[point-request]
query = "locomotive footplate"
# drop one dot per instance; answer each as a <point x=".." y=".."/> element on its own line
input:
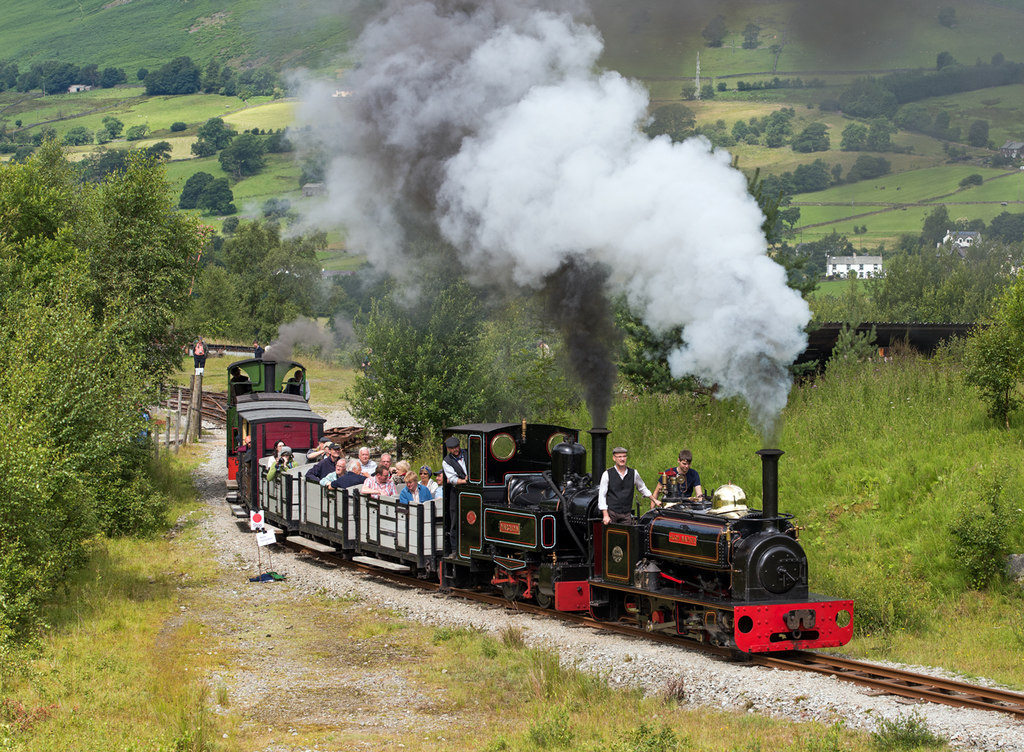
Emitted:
<point x="752" y="627"/>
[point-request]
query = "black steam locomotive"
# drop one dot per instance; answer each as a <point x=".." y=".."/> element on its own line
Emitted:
<point x="526" y="523"/>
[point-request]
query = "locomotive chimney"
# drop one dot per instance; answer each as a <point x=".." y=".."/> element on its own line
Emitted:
<point x="269" y="379"/>
<point x="770" y="485"/>
<point x="598" y="450"/>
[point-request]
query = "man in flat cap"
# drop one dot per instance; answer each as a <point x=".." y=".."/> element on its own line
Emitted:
<point x="615" y="495"/>
<point x="326" y="465"/>
<point x="455" y="472"/>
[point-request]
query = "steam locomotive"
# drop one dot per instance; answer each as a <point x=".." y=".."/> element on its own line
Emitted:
<point x="526" y="523"/>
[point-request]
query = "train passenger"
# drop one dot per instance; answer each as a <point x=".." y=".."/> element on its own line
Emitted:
<point x="239" y="380"/>
<point x="439" y="482"/>
<point x="414" y="492"/>
<point x="368" y="465"/>
<point x="326" y="465"/>
<point x="352" y="476"/>
<point x="346" y="473"/>
<point x="244" y="450"/>
<point x="318" y="452"/>
<point x="400" y="469"/>
<point x="380" y="483"/>
<point x="615" y="494"/>
<point x="455" y="472"/>
<point x="385" y="460"/>
<point x="687" y="479"/>
<point x="285" y="461"/>
<point x="427" y="479"/>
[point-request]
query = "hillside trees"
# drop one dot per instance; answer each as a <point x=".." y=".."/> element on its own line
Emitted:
<point x="995" y="362"/>
<point x="180" y="76"/>
<point x="264" y="280"/>
<point x="812" y="138"/>
<point x="244" y="156"/>
<point x="673" y="120"/>
<point x="91" y="279"/>
<point x="714" y="33"/>
<point x="212" y="136"/>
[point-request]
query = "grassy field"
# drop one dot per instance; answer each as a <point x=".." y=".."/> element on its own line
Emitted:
<point x="150" y="34"/>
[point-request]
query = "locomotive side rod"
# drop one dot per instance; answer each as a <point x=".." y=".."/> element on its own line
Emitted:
<point x="884" y="679"/>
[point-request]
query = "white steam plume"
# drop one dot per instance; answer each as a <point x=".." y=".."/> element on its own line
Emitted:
<point x="489" y="121"/>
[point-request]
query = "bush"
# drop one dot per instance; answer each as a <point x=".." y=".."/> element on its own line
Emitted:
<point x="136" y="132"/>
<point x="981" y="532"/>
<point x="905" y="732"/>
<point x="178" y="126"/>
<point x="972" y="179"/>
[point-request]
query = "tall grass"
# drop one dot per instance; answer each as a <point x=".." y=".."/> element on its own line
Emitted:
<point x="883" y="460"/>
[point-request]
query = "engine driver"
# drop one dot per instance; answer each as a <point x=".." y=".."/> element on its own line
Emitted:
<point x="615" y="494"/>
<point x="687" y="481"/>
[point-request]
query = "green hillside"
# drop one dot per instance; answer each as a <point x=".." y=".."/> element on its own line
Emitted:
<point x="148" y="33"/>
<point x="656" y="41"/>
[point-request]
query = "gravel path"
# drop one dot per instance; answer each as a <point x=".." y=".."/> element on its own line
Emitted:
<point x="624" y="661"/>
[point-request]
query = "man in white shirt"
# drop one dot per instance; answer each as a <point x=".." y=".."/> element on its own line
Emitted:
<point x="615" y="494"/>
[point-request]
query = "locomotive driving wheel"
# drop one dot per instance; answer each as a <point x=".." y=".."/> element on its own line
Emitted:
<point x="544" y="600"/>
<point x="512" y="590"/>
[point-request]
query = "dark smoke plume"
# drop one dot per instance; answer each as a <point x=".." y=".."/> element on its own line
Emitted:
<point x="490" y="123"/>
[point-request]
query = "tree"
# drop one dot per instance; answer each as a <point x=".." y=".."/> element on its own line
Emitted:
<point x="243" y="156"/>
<point x="947" y="17"/>
<point x="1007" y="227"/>
<point x="111" y="77"/>
<point x="136" y="133"/>
<point x="159" y="151"/>
<point x="212" y="136"/>
<point x="879" y="134"/>
<point x="78" y="136"/>
<point x="714" y="33"/>
<point x="994" y="368"/>
<point x="112" y="126"/>
<point x="914" y="117"/>
<point x="972" y="179"/>
<point x="211" y="77"/>
<point x="866" y="167"/>
<point x="867" y="98"/>
<point x="180" y="76"/>
<point x="673" y="120"/>
<point x="177" y="126"/>
<point x="977" y="134"/>
<point x="425" y="372"/>
<point x="141" y="74"/>
<point x="935" y="226"/>
<point x="855" y="137"/>
<point x="812" y="138"/>
<point x="944" y="60"/>
<point x="193" y="188"/>
<point x="750" y="36"/>
<point x="216" y="197"/>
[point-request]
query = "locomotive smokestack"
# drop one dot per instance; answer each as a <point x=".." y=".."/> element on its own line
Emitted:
<point x="598" y="451"/>
<point x="770" y="484"/>
<point x="269" y="378"/>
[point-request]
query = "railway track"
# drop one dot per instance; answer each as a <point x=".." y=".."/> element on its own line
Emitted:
<point x="879" y="679"/>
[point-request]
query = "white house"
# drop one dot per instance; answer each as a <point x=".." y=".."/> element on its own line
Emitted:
<point x="959" y="240"/>
<point x="75" y="88"/>
<point x="841" y="266"/>
<point x="1012" y="149"/>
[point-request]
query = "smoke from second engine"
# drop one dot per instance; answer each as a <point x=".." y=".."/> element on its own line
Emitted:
<point x="491" y="122"/>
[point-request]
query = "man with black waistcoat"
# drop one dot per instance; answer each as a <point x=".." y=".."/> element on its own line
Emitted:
<point x="454" y="463"/>
<point x="615" y="495"/>
<point x="455" y="474"/>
